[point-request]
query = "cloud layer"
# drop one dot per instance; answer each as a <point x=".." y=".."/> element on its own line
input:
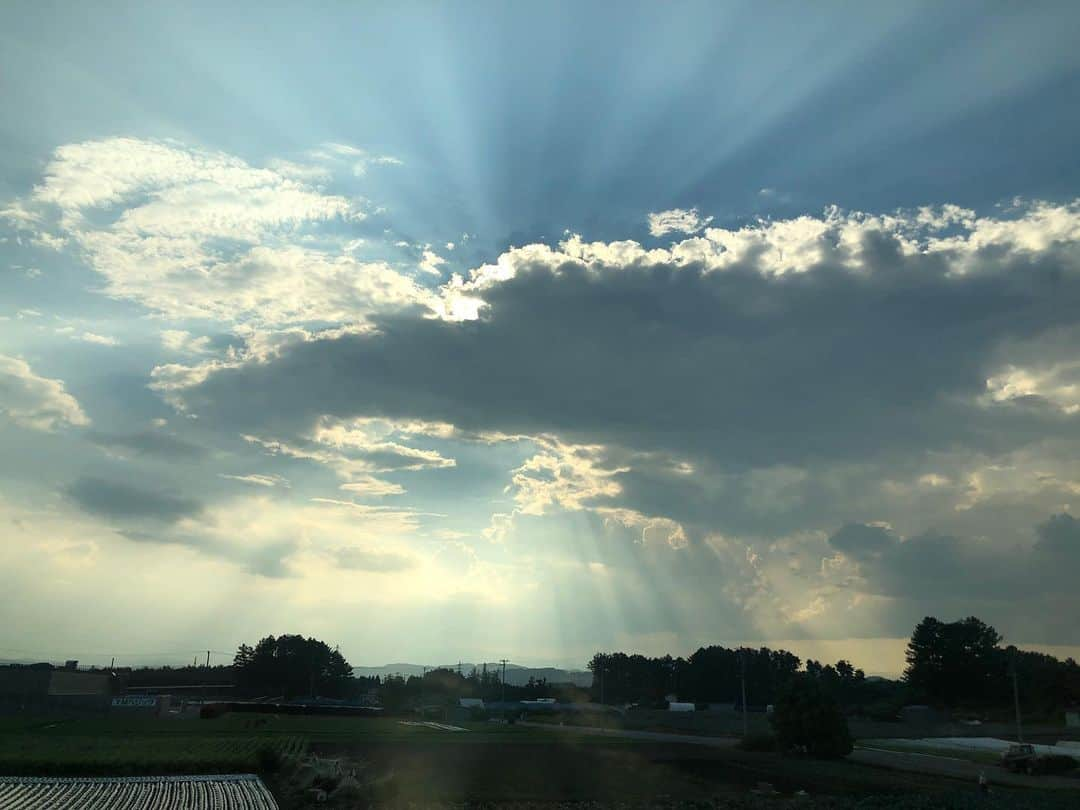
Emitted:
<point x="820" y="426"/>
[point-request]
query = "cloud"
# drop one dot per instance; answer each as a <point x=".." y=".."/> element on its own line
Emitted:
<point x="257" y="479"/>
<point x="180" y="341"/>
<point x="735" y="361"/>
<point x="677" y="220"/>
<point x="430" y="261"/>
<point x="361" y="559"/>
<point x="763" y="384"/>
<point x="861" y="541"/>
<point x="563" y="476"/>
<point x="1060" y="535"/>
<point x="149" y="443"/>
<point x="933" y="568"/>
<point x="190" y="233"/>
<point x="119" y="501"/>
<point x="359" y="159"/>
<point x="371" y="487"/>
<point x="101" y="340"/>
<point x="36" y="402"/>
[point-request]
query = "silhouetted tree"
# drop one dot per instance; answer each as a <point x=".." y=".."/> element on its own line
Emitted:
<point x="950" y="662"/>
<point x="290" y="666"/>
<point x="807" y="719"/>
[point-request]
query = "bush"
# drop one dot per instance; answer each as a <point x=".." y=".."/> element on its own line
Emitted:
<point x="808" y="720"/>
<point x="758" y="742"/>
<point x="211" y="711"/>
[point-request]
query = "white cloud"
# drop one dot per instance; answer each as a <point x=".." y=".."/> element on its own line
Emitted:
<point x="370" y="440"/>
<point x="430" y="261"/>
<point x="181" y="341"/>
<point x="562" y="476"/>
<point x="101" y="340"/>
<point x="36" y="402"/>
<point x="359" y="159"/>
<point x="362" y="448"/>
<point x="1057" y="383"/>
<point x="775" y="247"/>
<point x="191" y="233"/>
<point x="677" y="220"/>
<point x="258" y="479"/>
<point x="654" y="530"/>
<point x="372" y="487"/>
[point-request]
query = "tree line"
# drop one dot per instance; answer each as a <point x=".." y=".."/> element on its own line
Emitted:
<point x="959" y="665"/>
<point x="712" y="674"/>
<point x="963" y="665"/>
<point x="950" y="665"/>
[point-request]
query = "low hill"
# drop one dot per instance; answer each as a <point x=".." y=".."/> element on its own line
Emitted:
<point x="516" y="675"/>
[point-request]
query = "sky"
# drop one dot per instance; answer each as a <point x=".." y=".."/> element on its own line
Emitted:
<point x="463" y="331"/>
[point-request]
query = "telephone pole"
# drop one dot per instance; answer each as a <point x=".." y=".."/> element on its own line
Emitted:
<point x="1016" y="702"/>
<point x="503" y="662"/>
<point x="208" y="659"/>
<point x="742" y="667"/>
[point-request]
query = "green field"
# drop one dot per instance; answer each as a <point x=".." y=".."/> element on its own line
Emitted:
<point x="117" y="745"/>
<point x="488" y="763"/>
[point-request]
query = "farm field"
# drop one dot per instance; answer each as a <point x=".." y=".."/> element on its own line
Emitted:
<point x="246" y="792"/>
<point x="403" y="764"/>
<point x="139" y="745"/>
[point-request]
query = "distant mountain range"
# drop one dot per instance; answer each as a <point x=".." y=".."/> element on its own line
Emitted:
<point x="515" y="675"/>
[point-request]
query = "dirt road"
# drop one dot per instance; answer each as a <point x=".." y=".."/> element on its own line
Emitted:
<point x="956" y="768"/>
<point x="627" y="734"/>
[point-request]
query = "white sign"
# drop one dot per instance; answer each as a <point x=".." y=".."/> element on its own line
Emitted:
<point x="135" y="701"/>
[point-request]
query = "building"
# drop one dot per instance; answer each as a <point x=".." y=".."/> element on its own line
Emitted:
<point x="45" y="688"/>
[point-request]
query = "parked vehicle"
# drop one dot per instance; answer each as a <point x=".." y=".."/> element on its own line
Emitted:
<point x="1022" y="758"/>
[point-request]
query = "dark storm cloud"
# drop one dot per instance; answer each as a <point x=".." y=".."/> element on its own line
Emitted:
<point x="859" y="541"/>
<point x="802" y="402"/>
<point x="933" y="566"/>
<point x="1060" y="535"/>
<point x="119" y="501"/>
<point x="734" y="366"/>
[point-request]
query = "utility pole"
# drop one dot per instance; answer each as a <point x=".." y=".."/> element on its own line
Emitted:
<point x="208" y="659"/>
<point x="742" y="667"/>
<point x="1016" y="702"/>
<point x="503" y="661"/>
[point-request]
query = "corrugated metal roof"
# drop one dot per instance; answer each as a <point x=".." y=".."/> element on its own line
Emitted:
<point x="221" y="792"/>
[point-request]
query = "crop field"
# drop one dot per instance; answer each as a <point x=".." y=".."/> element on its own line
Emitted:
<point x="123" y="747"/>
<point x="236" y="742"/>
<point x="245" y="792"/>
<point x="407" y="763"/>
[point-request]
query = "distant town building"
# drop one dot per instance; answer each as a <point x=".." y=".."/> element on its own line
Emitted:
<point x="42" y="687"/>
